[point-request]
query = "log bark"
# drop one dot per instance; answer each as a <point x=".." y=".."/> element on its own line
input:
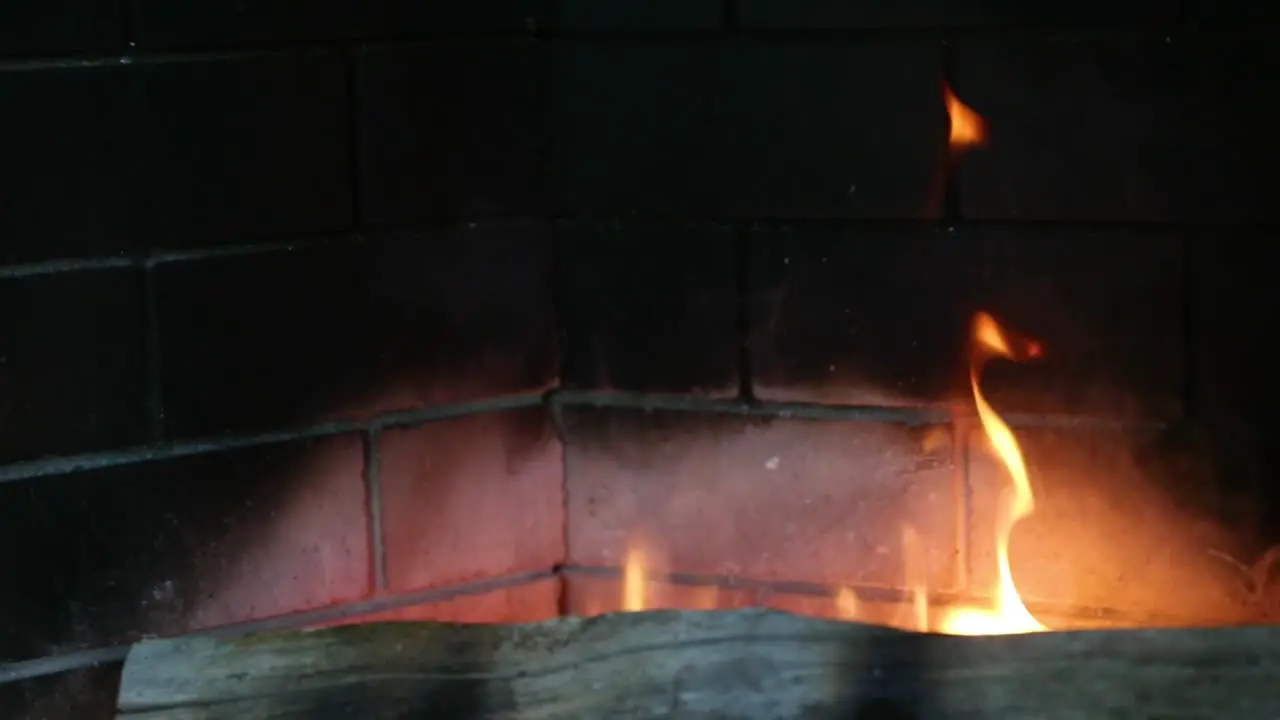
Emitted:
<point x="720" y="664"/>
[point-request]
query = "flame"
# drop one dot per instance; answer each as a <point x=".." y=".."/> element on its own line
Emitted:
<point x="635" y="579"/>
<point x="968" y="129"/>
<point x="916" y="577"/>
<point x="1009" y="616"/>
<point x="847" y="604"/>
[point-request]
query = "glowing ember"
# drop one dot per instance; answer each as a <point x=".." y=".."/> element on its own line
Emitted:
<point x="1009" y="615"/>
<point x="967" y="127"/>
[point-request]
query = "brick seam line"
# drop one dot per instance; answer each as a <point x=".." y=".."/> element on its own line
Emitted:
<point x="63" y="662"/>
<point x="301" y="242"/>
<point x="54" y="664"/>
<point x="372" y="440"/>
<point x="203" y="52"/>
<point x="869" y="593"/>
<point x="912" y="416"/>
<point x="404" y="418"/>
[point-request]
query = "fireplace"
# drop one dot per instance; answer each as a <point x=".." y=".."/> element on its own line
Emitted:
<point x="400" y="312"/>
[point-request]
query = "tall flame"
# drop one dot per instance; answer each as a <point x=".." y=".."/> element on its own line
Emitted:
<point x="635" y="580"/>
<point x="1009" y="615"/>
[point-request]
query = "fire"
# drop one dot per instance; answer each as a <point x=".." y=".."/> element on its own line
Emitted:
<point x="913" y="552"/>
<point x="847" y="604"/>
<point x="968" y="129"/>
<point x="1009" y="615"/>
<point x="635" y="580"/>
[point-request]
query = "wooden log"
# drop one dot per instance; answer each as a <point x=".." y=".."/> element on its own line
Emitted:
<point x="719" y="664"/>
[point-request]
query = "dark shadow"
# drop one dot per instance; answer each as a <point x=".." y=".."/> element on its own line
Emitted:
<point x="888" y="678"/>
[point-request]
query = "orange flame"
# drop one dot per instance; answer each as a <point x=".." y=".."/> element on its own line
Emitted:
<point x="635" y="580"/>
<point x="1009" y="616"/>
<point x="968" y="129"/>
<point x="916" y="579"/>
<point x="847" y="604"/>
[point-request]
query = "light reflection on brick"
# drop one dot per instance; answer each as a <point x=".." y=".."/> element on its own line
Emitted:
<point x="814" y="501"/>
<point x="1103" y="534"/>
<point x="530" y="602"/>
<point x="589" y="595"/>
<point x="471" y="498"/>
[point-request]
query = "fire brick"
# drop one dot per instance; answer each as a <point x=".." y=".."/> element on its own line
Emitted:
<point x="747" y="128"/>
<point x="58" y="26"/>
<point x="471" y="498"/>
<point x="823" y="14"/>
<point x="1236" y="14"/>
<point x="257" y="342"/>
<point x="588" y="594"/>
<point x="650" y="308"/>
<point x="81" y="693"/>
<point x="448" y="130"/>
<point x="634" y="15"/>
<point x="1233" y="372"/>
<point x="64" y="179"/>
<point x="173" y="545"/>
<point x="1110" y="533"/>
<point x="71" y="363"/>
<point x="881" y="316"/>
<point x="1235" y="299"/>
<point x="1120" y="129"/>
<point x="238" y="149"/>
<point x="159" y="24"/>
<point x="212" y="22"/>
<point x="529" y="602"/>
<point x="802" y="501"/>
<point x="348" y="329"/>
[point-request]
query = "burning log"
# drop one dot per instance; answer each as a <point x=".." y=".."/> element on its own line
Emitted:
<point x="740" y="664"/>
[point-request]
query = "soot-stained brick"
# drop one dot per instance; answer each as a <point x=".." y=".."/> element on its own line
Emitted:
<point x="1234" y="386"/>
<point x="71" y="363"/>
<point x="1119" y="128"/>
<point x="448" y="130"/>
<point x="866" y="316"/>
<point x="747" y="128"/>
<point x="825" y="14"/>
<point x="167" y="546"/>
<point x="200" y="23"/>
<point x="1233" y="299"/>
<point x="1233" y="15"/>
<point x="195" y="151"/>
<point x="634" y="15"/>
<point x="59" y="26"/>
<point x="63" y="182"/>
<point x="238" y="148"/>
<point x="80" y="693"/>
<point x="650" y="308"/>
<point x="211" y="22"/>
<point x="256" y="342"/>
<point x="463" y="312"/>
<point x="253" y="342"/>
<point x="882" y="316"/>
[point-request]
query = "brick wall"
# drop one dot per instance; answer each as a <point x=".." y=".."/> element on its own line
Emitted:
<point x="393" y="309"/>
